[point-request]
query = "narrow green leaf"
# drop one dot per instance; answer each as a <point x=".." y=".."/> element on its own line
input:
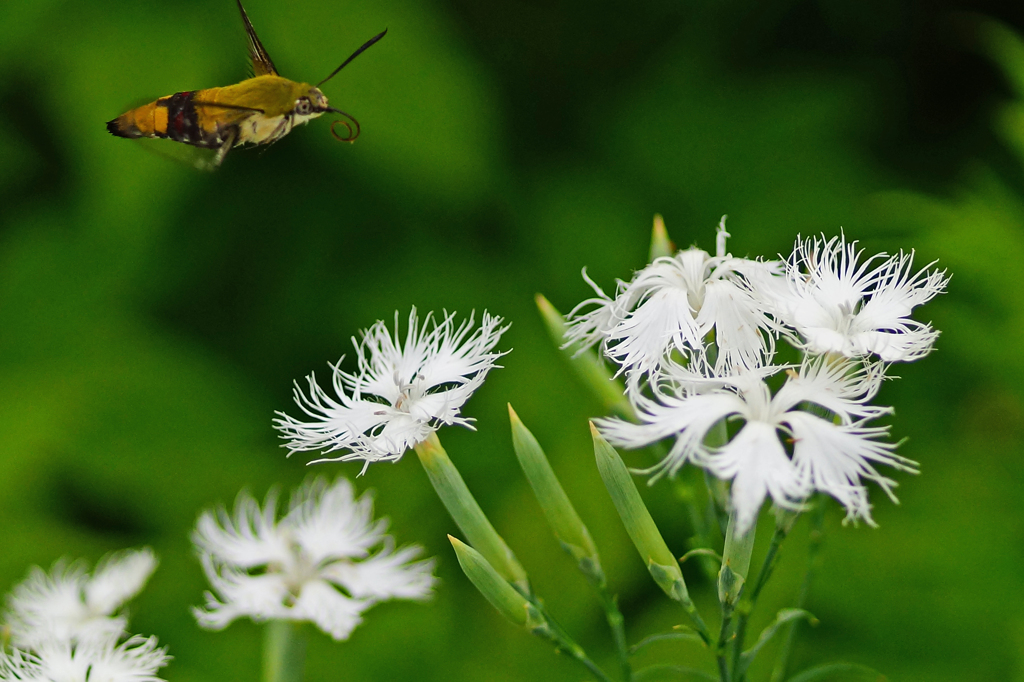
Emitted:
<point x="594" y="374"/>
<point x="672" y="672"/>
<point x="664" y="637"/>
<point x="839" y="671"/>
<point x="784" y="616"/>
<point x="572" y="534"/>
<point x="701" y="551"/>
<point x="467" y="514"/>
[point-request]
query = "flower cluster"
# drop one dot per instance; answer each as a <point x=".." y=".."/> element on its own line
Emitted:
<point x="695" y="337"/>
<point x="400" y="393"/>
<point x="68" y="626"/>
<point x="318" y="563"/>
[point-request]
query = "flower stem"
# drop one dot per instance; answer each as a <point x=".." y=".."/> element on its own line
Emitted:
<point x="553" y="632"/>
<point x="816" y="539"/>
<point x="617" y="625"/>
<point x="783" y="525"/>
<point x="731" y="580"/>
<point x="284" y="651"/>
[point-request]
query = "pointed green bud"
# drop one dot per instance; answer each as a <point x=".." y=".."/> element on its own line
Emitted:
<point x="467" y="514"/>
<point x="640" y="526"/>
<point x="661" y="245"/>
<point x="509" y="602"/>
<point x="637" y="520"/>
<point x="735" y="562"/>
<point x="558" y="510"/>
<point x="594" y="374"/>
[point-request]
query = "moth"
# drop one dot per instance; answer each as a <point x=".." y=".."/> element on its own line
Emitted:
<point x="259" y="110"/>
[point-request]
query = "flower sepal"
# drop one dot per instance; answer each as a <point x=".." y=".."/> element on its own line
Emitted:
<point x="561" y="516"/>
<point x="590" y="369"/>
<point x="467" y="514"/>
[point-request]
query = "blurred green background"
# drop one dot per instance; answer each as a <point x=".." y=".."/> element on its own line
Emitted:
<point x="152" y="318"/>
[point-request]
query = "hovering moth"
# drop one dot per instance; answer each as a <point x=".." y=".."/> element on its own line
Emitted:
<point x="259" y="110"/>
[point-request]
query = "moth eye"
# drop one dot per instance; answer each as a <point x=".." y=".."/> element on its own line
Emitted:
<point x="302" y="106"/>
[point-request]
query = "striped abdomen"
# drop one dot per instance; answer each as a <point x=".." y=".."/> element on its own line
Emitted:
<point x="181" y="117"/>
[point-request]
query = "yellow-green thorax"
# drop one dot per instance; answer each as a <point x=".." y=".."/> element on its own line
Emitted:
<point x="266" y="107"/>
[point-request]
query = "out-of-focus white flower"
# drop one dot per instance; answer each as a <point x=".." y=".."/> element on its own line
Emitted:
<point x="98" y="659"/>
<point x="316" y="564"/>
<point x="400" y="393"/>
<point x="840" y="305"/>
<point x="68" y="605"/>
<point x="673" y="304"/>
<point x="781" y="450"/>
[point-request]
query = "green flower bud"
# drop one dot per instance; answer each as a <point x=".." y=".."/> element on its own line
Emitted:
<point x="661" y="245"/>
<point x="735" y="562"/>
<point x="509" y="602"/>
<point x="638" y="522"/>
<point x="558" y="510"/>
<point x="640" y="526"/>
<point x="468" y="515"/>
<point x="587" y="365"/>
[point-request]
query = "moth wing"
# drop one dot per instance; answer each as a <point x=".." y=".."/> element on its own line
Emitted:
<point x="262" y="65"/>
<point x="197" y="158"/>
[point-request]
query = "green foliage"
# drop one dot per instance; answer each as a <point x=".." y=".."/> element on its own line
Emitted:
<point x="153" y="318"/>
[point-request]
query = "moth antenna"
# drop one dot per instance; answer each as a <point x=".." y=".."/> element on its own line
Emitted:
<point x="355" y="54"/>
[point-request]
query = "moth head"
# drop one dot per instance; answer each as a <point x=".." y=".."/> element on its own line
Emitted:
<point x="310" y="103"/>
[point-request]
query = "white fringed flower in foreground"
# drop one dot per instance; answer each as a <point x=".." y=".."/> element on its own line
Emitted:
<point x="781" y="450"/>
<point x="317" y="564"/>
<point x="673" y="304"/>
<point x="400" y="392"/>
<point x="840" y="305"/>
<point x="67" y="605"/>
<point x="99" y="659"/>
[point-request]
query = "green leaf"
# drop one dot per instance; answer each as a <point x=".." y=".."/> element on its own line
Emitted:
<point x="671" y="672"/>
<point x="784" y="616"/>
<point x="665" y="637"/>
<point x="558" y="510"/>
<point x="839" y="671"/>
<point x="701" y="551"/>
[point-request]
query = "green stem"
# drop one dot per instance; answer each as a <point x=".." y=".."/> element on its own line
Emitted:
<point x="782" y="528"/>
<point x="617" y="624"/>
<point x="731" y="580"/>
<point x="561" y="639"/>
<point x="722" y="643"/>
<point x="284" y="651"/>
<point x="816" y="539"/>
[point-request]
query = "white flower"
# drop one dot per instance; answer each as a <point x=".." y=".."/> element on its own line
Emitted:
<point x="840" y="305"/>
<point x="316" y="564"/>
<point x="400" y="393"/>
<point x="68" y="605"/>
<point x="99" y="659"/>
<point x="781" y="450"/>
<point x="673" y="304"/>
